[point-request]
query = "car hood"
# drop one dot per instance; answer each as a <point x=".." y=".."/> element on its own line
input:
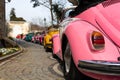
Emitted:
<point x="108" y="20"/>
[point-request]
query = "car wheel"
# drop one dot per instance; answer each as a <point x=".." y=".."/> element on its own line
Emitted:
<point x="69" y="69"/>
<point x="53" y="55"/>
<point x="46" y="49"/>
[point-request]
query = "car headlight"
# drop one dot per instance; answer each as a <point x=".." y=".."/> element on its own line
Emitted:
<point x="97" y="39"/>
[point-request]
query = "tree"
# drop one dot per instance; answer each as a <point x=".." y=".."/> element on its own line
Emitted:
<point x="45" y="3"/>
<point x="13" y="16"/>
<point x="48" y="4"/>
<point x="58" y="11"/>
<point x="9" y="0"/>
<point x="51" y="6"/>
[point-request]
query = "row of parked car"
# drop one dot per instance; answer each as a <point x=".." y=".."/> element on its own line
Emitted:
<point x="88" y="41"/>
<point x="43" y="38"/>
<point x="37" y="37"/>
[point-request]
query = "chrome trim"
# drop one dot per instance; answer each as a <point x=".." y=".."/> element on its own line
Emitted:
<point x="49" y="45"/>
<point x="100" y="67"/>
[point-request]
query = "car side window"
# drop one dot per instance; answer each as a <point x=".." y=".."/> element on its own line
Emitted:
<point x="67" y="13"/>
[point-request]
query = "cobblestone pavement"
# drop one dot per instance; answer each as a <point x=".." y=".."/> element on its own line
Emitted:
<point x="32" y="64"/>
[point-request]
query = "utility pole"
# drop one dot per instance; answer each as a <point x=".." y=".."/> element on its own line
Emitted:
<point x="2" y="19"/>
<point x="51" y="12"/>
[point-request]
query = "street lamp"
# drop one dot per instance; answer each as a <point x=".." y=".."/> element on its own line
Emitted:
<point x="45" y="22"/>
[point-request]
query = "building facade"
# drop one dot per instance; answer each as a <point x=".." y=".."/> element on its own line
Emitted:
<point x="18" y="27"/>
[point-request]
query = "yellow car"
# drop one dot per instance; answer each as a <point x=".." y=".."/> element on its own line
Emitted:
<point x="48" y="38"/>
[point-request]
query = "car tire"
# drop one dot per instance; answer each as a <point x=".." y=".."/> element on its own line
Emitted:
<point x="46" y="49"/>
<point x="71" y="72"/>
<point x="53" y="55"/>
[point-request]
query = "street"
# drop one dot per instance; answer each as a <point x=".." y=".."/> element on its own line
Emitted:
<point x="32" y="64"/>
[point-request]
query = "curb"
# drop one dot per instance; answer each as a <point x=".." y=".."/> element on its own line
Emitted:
<point x="13" y="54"/>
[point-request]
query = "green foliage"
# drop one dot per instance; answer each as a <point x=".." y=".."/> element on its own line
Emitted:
<point x="36" y="3"/>
<point x="55" y="7"/>
<point x="57" y="10"/>
<point x="9" y="0"/>
<point x="44" y="3"/>
<point x="11" y="38"/>
<point x="13" y="16"/>
<point x="8" y="51"/>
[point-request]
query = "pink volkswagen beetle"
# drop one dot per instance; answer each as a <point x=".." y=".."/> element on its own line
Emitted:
<point x="88" y="44"/>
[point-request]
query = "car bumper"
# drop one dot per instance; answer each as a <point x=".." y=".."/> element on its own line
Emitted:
<point x="48" y="45"/>
<point x="100" y="67"/>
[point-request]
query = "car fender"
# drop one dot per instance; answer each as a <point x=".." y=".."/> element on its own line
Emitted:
<point x="57" y="45"/>
<point x="78" y="35"/>
<point x="64" y="23"/>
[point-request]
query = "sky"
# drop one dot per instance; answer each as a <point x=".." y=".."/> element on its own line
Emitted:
<point x="23" y="8"/>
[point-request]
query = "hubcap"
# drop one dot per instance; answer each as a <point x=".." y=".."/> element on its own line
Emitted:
<point x="67" y="58"/>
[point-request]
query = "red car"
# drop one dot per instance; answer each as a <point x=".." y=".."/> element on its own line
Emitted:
<point x="20" y="36"/>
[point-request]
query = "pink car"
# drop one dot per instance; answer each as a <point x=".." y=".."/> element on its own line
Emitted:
<point x="89" y="43"/>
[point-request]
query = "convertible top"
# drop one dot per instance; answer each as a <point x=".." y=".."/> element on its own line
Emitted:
<point x="77" y="2"/>
<point x="85" y="4"/>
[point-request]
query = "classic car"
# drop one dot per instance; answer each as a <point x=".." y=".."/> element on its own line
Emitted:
<point x="19" y="36"/>
<point x="36" y="38"/>
<point x="88" y="44"/>
<point x="42" y="38"/>
<point x="28" y="37"/>
<point x="48" y="38"/>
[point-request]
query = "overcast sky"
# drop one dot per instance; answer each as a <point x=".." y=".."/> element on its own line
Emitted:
<point x="23" y="8"/>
